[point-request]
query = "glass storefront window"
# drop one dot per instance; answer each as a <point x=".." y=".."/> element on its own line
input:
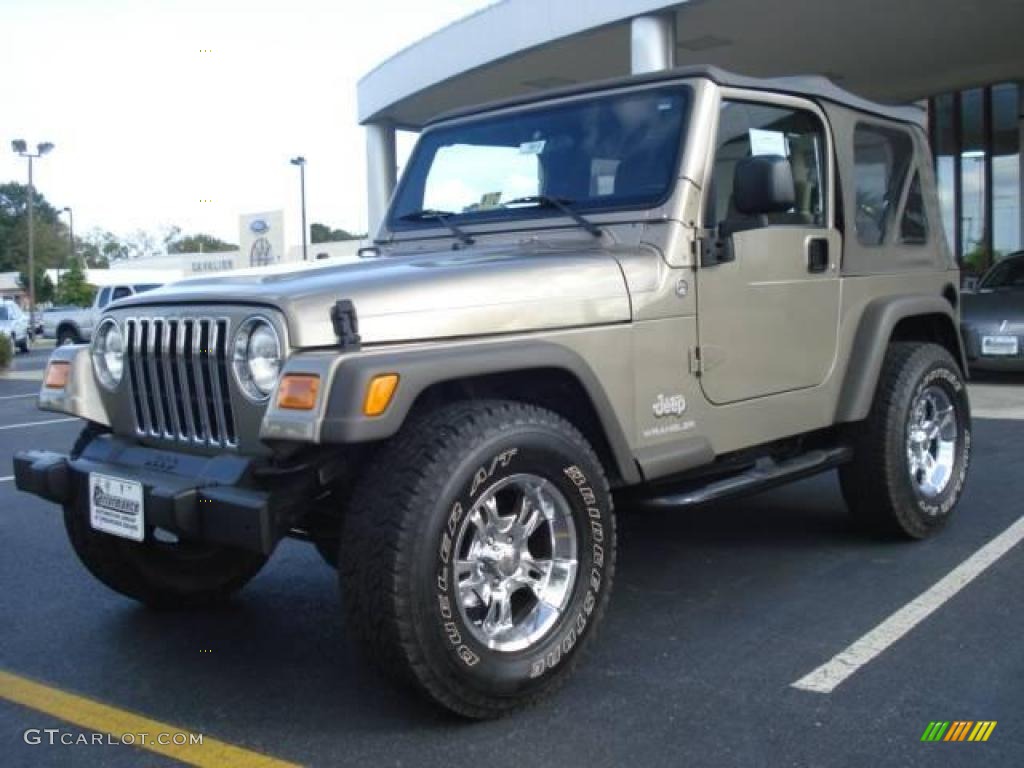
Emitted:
<point x="1006" y="189"/>
<point x="973" y="250"/>
<point x="944" y="135"/>
<point x="976" y="140"/>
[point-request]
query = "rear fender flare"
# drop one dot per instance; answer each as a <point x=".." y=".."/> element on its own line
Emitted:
<point x="874" y="332"/>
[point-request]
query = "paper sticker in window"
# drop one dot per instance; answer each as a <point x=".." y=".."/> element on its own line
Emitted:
<point x="764" y="142"/>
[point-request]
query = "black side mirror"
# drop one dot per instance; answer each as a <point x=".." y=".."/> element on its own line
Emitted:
<point x="763" y="184"/>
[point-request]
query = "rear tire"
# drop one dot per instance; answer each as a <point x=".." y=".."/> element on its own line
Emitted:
<point x="67" y="336"/>
<point x="478" y="555"/>
<point x="912" y="453"/>
<point x="160" y="574"/>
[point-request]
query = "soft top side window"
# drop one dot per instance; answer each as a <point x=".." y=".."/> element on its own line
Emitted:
<point x="882" y="158"/>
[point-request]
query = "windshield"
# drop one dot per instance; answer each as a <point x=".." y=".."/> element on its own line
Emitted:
<point x="1006" y="274"/>
<point x="609" y="152"/>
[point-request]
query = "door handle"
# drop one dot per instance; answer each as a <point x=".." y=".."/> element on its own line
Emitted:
<point x="817" y="254"/>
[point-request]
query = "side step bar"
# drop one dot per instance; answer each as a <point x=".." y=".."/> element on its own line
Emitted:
<point x="766" y="473"/>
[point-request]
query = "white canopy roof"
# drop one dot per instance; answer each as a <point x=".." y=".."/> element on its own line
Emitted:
<point x="893" y="52"/>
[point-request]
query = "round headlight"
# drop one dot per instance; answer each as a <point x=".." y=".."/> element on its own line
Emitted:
<point x="108" y="353"/>
<point x="256" y="359"/>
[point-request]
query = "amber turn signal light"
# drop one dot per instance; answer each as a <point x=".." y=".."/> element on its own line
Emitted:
<point x="57" y="375"/>
<point x="298" y="392"/>
<point x="379" y="393"/>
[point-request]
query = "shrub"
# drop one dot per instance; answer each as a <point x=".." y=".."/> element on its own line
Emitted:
<point x="6" y="351"/>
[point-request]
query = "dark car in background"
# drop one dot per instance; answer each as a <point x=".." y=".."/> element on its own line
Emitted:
<point x="993" y="318"/>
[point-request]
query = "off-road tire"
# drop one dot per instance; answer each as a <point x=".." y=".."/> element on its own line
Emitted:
<point x="397" y="566"/>
<point x="876" y="484"/>
<point x="159" y="574"/>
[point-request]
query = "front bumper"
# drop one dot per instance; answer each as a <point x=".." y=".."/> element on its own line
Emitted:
<point x="204" y="498"/>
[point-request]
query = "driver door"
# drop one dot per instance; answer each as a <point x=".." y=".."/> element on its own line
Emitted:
<point x="768" y="303"/>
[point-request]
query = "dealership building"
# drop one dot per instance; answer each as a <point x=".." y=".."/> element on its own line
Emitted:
<point x="961" y="60"/>
<point x="262" y="241"/>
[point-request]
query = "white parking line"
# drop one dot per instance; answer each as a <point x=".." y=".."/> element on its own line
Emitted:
<point x="38" y="423"/>
<point x="825" y="678"/>
<point x="16" y="397"/>
<point x="6" y="479"/>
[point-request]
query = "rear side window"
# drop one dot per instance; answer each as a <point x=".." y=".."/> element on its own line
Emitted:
<point x="914" y="221"/>
<point x="882" y="158"/>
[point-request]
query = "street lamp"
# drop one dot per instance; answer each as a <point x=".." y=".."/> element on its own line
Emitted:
<point x="301" y="162"/>
<point x="21" y="148"/>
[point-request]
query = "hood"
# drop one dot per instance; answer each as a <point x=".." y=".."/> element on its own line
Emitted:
<point x="427" y="295"/>
<point x="993" y="306"/>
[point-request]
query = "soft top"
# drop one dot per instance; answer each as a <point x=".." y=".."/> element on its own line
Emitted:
<point x="814" y="87"/>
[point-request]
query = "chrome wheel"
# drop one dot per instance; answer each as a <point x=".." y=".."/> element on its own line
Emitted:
<point x="931" y="441"/>
<point x="516" y="562"/>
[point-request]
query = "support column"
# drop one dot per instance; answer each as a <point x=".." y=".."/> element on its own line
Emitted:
<point x="381" y="172"/>
<point x="652" y="43"/>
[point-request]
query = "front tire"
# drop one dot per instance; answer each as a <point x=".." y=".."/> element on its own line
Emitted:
<point x="25" y="345"/>
<point x="912" y="454"/>
<point x="159" y="572"/>
<point x="478" y="555"/>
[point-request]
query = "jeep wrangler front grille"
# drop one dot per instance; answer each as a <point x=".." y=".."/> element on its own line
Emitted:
<point x="179" y="379"/>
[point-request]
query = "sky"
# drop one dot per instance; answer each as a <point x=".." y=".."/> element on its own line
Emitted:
<point x="157" y="107"/>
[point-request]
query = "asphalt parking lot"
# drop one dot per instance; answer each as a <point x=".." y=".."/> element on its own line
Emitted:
<point x="716" y="613"/>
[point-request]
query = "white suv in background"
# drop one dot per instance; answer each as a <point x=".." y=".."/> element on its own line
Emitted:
<point x="14" y="323"/>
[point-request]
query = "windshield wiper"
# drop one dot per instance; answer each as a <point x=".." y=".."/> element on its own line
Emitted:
<point x="431" y="214"/>
<point x="561" y="204"/>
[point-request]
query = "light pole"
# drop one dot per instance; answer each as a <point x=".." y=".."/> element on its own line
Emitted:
<point x="71" y="234"/>
<point x="301" y="162"/>
<point x="21" y="148"/>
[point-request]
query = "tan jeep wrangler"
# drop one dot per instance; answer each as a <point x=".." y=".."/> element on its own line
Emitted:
<point x="670" y="289"/>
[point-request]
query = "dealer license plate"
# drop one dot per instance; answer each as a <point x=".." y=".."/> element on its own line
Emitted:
<point x="1000" y="345"/>
<point x="115" y="506"/>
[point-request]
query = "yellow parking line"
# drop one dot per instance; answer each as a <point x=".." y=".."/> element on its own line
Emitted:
<point x="94" y="716"/>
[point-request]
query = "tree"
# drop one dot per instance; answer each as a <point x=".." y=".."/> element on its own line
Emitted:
<point x="73" y="289"/>
<point x="104" y="247"/>
<point x="44" y="285"/>
<point x="50" y="234"/>
<point x="321" y="233"/>
<point x="140" y="243"/>
<point x="89" y="250"/>
<point x="198" y="243"/>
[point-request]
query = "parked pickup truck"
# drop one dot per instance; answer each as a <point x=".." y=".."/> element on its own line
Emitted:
<point x="74" y="325"/>
<point x="657" y="292"/>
